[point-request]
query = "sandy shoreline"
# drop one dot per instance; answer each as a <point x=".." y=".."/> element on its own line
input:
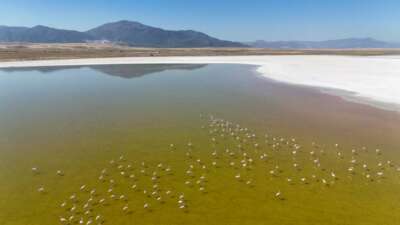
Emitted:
<point x="371" y="80"/>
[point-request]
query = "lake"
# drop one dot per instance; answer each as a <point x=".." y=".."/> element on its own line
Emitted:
<point x="190" y="144"/>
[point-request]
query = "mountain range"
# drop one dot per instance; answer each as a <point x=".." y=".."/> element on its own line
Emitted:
<point x="329" y="44"/>
<point x="139" y="35"/>
<point x="121" y="32"/>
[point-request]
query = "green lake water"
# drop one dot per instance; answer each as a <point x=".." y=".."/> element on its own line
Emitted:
<point x="190" y="144"/>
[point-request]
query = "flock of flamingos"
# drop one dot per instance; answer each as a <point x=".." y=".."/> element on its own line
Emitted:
<point x="235" y="153"/>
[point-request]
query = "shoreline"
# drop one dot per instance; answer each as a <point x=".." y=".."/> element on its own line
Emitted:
<point x="41" y="51"/>
<point x="371" y="80"/>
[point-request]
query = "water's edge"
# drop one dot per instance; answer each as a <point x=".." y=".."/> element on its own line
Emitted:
<point x="284" y="69"/>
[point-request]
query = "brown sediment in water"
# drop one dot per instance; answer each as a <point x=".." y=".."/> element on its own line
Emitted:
<point x="300" y="108"/>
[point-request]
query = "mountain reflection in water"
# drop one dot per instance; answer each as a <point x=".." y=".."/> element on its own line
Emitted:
<point x="123" y="70"/>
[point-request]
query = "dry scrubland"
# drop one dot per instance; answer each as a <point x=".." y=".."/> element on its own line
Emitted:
<point x="13" y="52"/>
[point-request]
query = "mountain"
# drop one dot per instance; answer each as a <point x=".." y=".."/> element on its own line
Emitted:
<point x="330" y="44"/>
<point x="42" y="34"/>
<point x="122" y="32"/>
<point x="140" y="35"/>
<point x="10" y="34"/>
<point x="137" y="34"/>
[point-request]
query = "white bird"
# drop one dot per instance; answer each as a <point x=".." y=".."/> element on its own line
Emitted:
<point x="72" y="197"/>
<point x="237" y="176"/>
<point x="278" y="195"/>
<point x="41" y="189"/>
<point x="35" y="170"/>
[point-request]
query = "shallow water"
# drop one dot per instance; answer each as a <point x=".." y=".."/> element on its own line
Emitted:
<point x="81" y="120"/>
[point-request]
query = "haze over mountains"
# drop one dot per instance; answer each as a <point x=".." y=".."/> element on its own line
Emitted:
<point x="140" y="35"/>
<point x="329" y="44"/>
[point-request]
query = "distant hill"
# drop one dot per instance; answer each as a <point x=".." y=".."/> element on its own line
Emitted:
<point x="330" y="44"/>
<point x="42" y="34"/>
<point x="137" y="34"/>
<point x="122" y="32"/>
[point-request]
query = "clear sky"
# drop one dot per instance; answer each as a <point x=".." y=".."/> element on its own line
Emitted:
<point x="239" y="20"/>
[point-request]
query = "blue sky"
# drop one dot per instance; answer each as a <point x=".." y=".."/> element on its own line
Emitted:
<point x="228" y="19"/>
